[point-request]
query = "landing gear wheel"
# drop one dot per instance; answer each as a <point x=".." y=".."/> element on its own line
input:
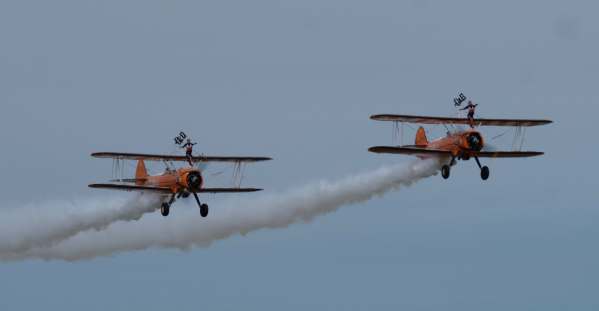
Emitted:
<point x="445" y="171"/>
<point x="204" y="210"/>
<point x="164" y="209"/>
<point x="484" y="173"/>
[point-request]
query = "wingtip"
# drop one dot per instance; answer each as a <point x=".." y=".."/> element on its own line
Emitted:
<point x="375" y="149"/>
<point x="99" y="154"/>
<point x="536" y="153"/>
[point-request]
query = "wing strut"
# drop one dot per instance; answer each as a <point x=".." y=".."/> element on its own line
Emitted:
<point x="118" y="168"/>
<point x="519" y="137"/>
<point x="238" y="173"/>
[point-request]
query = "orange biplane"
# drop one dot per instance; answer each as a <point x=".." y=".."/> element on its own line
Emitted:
<point x="173" y="183"/>
<point x="457" y="145"/>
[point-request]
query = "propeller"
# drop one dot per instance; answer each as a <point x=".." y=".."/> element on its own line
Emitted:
<point x="475" y="141"/>
<point x="194" y="182"/>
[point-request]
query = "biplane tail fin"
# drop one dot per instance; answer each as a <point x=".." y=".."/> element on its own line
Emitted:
<point x="141" y="174"/>
<point x="421" y="139"/>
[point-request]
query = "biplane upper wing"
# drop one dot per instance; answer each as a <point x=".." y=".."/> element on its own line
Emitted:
<point x="159" y="157"/>
<point x="447" y="120"/>
<point x="168" y="190"/>
<point x="409" y="151"/>
<point x="131" y="188"/>
<point x="415" y="151"/>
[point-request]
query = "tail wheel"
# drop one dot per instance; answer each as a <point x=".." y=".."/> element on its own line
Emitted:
<point x="484" y="173"/>
<point x="204" y="210"/>
<point x="165" y="209"/>
<point x="445" y="171"/>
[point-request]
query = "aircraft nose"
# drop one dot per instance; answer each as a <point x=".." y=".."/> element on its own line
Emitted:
<point x="194" y="181"/>
<point x="475" y="142"/>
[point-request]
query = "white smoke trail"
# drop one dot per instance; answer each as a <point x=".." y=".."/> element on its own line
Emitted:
<point x="185" y="230"/>
<point x="43" y="225"/>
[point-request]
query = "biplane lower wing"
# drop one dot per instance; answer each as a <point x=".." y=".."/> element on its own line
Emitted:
<point x="132" y="188"/>
<point x="168" y="190"/>
<point x="159" y="157"/>
<point x="437" y="152"/>
<point x="465" y="121"/>
<point x="506" y="154"/>
<point x="227" y="190"/>
<point x="409" y="151"/>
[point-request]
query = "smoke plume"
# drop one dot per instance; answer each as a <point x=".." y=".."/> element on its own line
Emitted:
<point x="185" y="229"/>
<point x="43" y="225"/>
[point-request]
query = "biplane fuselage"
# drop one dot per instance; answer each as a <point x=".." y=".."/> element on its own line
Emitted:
<point x="182" y="180"/>
<point x="177" y="181"/>
<point x="461" y="144"/>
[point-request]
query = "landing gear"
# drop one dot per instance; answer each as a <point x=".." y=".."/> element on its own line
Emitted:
<point x="445" y="171"/>
<point x="166" y="206"/>
<point x="484" y="173"/>
<point x="204" y="209"/>
<point x="484" y="170"/>
<point x="164" y="209"/>
<point x="183" y="194"/>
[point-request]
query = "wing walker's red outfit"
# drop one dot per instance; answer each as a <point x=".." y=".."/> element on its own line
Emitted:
<point x="471" y="110"/>
<point x="189" y="151"/>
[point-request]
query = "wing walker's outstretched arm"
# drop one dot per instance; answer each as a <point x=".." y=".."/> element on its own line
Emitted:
<point x="470" y="105"/>
<point x="188" y="144"/>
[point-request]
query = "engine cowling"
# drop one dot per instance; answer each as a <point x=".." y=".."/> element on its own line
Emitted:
<point x="193" y="181"/>
<point x="474" y="141"/>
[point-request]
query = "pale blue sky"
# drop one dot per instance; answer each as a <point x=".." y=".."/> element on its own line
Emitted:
<point x="297" y="80"/>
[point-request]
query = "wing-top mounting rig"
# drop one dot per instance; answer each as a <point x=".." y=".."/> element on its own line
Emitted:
<point x="460" y="144"/>
<point x="174" y="183"/>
